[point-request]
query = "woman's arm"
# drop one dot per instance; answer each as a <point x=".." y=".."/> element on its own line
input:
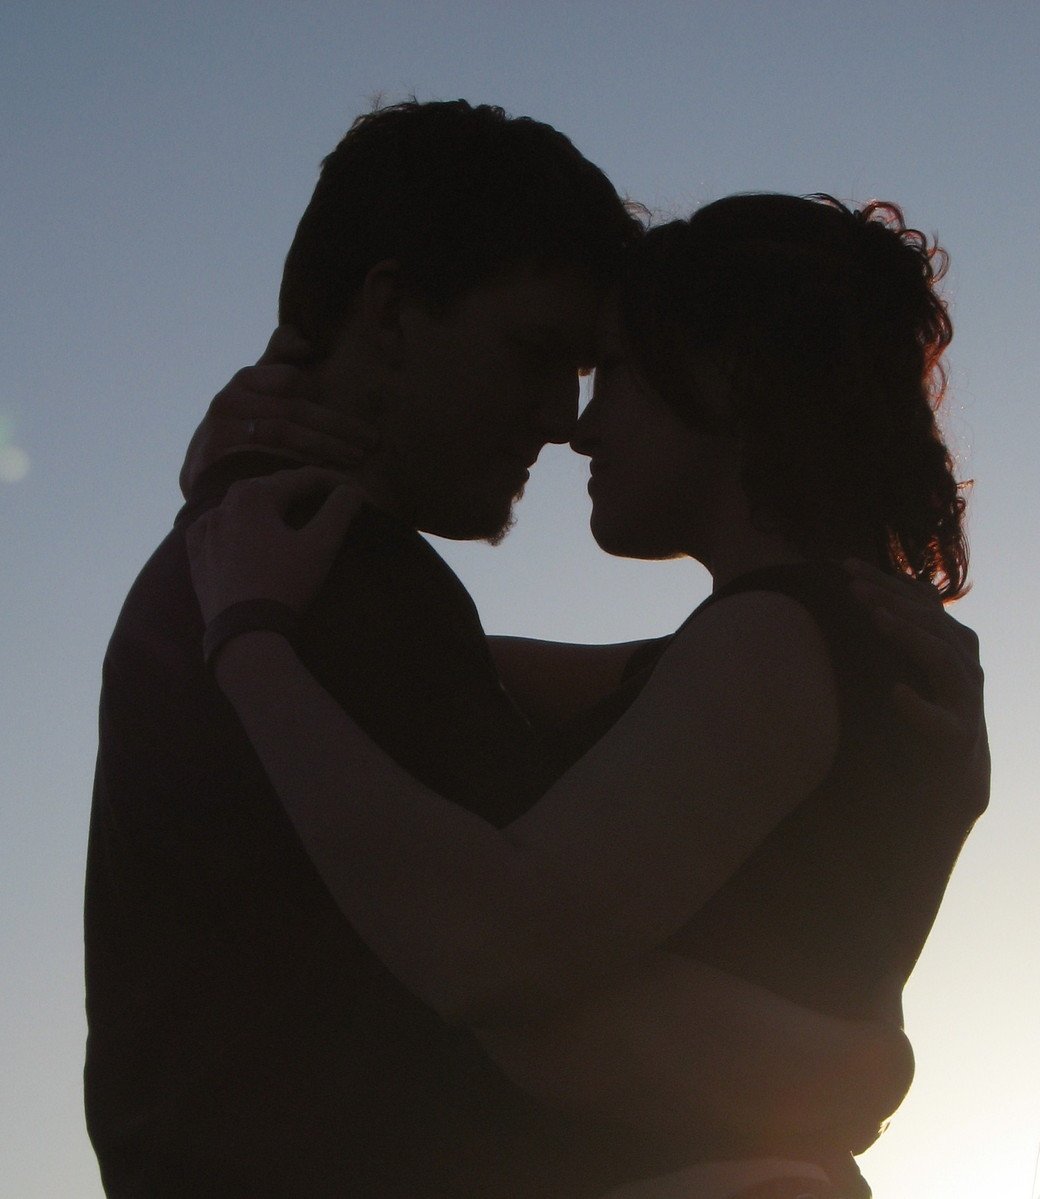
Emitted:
<point x="737" y="723"/>
<point x="737" y="1026"/>
<point x="667" y="1045"/>
<point x="616" y="857"/>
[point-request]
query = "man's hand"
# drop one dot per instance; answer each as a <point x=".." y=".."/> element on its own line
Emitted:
<point x="273" y="406"/>
<point x="949" y="722"/>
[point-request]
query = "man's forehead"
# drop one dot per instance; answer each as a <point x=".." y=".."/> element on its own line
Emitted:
<point x="553" y="300"/>
<point x="557" y="284"/>
<point x="558" y="332"/>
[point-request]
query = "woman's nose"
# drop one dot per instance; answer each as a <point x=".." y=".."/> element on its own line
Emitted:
<point x="584" y="435"/>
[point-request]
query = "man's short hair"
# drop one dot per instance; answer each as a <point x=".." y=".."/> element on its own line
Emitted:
<point x="457" y="194"/>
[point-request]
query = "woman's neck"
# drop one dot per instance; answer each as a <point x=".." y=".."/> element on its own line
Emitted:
<point x="739" y="547"/>
<point x="732" y="565"/>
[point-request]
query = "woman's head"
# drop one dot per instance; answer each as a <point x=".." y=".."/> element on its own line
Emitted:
<point x="813" y="335"/>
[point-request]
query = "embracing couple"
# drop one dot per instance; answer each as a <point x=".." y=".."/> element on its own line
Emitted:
<point x="378" y="906"/>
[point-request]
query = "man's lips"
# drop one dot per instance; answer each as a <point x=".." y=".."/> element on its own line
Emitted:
<point x="523" y="460"/>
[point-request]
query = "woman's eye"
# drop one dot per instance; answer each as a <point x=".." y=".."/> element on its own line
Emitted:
<point x="609" y="362"/>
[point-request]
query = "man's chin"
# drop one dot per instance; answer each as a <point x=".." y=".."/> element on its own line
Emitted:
<point x="474" y="523"/>
<point x="503" y="531"/>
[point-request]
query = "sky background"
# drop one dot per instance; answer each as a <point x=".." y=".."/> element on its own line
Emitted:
<point x="156" y="158"/>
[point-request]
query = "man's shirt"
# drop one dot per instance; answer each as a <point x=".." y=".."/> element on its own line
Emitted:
<point x="243" y="1040"/>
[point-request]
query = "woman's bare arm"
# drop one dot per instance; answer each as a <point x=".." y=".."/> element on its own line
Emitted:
<point x="616" y="857"/>
<point x="335" y="830"/>
<point x="490" y="940"/>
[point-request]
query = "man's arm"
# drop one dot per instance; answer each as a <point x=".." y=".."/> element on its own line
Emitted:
<point x="553" y="681"/>
<point x="675" y="1046"/>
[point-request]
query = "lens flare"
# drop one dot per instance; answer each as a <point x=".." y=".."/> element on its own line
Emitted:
<point x="14" y="461"/>
<point x="14" y="464"/>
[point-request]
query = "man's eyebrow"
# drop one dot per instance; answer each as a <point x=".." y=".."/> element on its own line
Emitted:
<point x="551" y="338"/>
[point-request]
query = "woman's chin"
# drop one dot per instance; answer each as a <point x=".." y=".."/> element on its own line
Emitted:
<point x="624" y="541"/>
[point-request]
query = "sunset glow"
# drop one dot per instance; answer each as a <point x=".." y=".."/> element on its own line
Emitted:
<point x="156" y="160"/>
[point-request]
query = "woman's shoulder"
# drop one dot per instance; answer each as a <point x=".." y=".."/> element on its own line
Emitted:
<point x="823" y="591"/>
<point x="820" y="587"/>
<point x="809" y="612"/>
<point x="754" y="669"/>
<point x="759" y="635"/>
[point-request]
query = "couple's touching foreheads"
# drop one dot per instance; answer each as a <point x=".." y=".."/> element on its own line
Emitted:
<point x="380" y="906"/>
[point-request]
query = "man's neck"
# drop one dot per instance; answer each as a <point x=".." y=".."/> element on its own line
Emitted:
<point x="381" y="493"/>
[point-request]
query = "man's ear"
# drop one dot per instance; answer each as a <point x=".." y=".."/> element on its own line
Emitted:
<point x="379" y="309"/>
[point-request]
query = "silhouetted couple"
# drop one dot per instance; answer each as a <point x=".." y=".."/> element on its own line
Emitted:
<point x="378" y="906"/>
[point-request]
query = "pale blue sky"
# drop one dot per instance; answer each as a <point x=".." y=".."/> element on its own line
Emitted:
<point x="156" y="158"/>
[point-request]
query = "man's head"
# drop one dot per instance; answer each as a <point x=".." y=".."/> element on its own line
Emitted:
<point x="457" y="195"/>
<point x="449" y="264"/>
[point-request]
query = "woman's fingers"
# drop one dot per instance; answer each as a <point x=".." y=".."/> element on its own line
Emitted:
<point x="267" y="408"/>
<point x="309" y="502"/>
<point x="328" y="525"/>
<point x="250" y="546"/>
<point x="279" y="491"/>
<point x="274" y="405"/>
<point x="255" y="383"/>
<point x="269" y="386"/>
<point x="286" y="345"/>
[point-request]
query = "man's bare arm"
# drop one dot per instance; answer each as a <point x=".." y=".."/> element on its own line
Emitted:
<point x="553" y="681"/>
<point x="682" y="1050"/>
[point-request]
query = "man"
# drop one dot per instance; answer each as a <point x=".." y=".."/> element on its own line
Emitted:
<point x="242" y="1039"/>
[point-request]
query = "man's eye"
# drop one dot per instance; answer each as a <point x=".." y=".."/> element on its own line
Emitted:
<point x="549" y="358"/>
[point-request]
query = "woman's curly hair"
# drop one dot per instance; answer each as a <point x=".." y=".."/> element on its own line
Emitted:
<point x="825" y="326"/>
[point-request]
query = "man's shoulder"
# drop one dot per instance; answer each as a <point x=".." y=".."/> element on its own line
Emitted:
<point x="158" y="632"/>
<point x="390" y="587"/>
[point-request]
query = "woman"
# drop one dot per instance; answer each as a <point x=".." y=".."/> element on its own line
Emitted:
<point x="764" y="402"/>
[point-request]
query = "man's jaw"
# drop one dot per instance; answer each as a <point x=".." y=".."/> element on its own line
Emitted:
<point x="508" y="523"/>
